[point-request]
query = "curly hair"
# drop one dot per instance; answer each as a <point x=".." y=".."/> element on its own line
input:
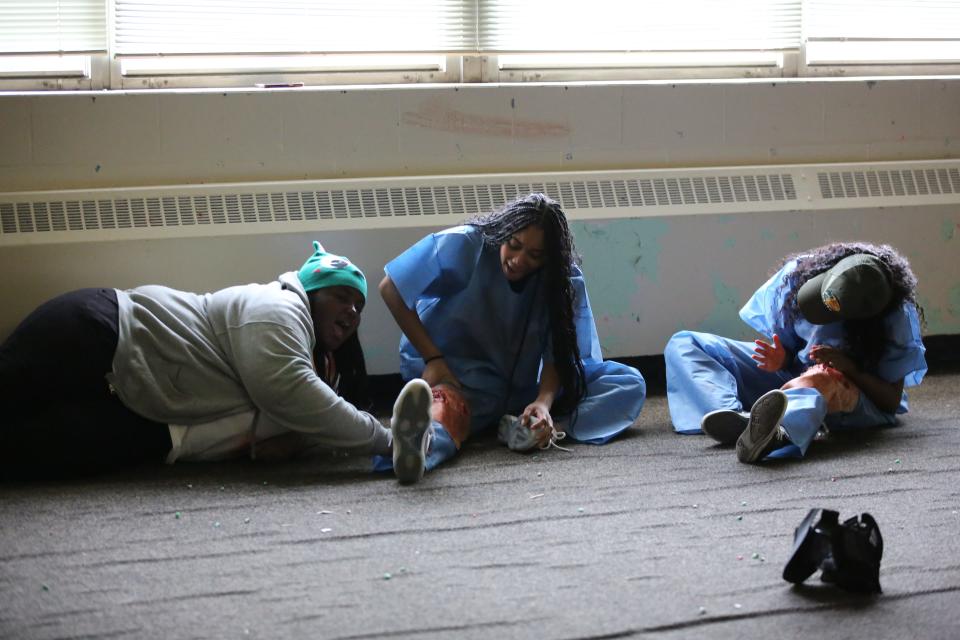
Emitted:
<point x="561" y="255"/>
<point x="867" y="337"/>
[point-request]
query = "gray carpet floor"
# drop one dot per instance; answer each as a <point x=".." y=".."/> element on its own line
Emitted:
<point x="652" y="535"/>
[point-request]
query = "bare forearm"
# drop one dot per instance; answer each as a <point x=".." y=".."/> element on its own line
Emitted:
<point x="885" y="395"/>
<point x="407" y="319"/>
<point x="549" y="384"/>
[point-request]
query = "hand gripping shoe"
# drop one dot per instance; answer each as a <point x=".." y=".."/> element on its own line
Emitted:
<point x="517" y="437"/>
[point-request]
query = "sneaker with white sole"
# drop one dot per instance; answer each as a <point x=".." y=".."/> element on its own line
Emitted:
<point x="518" y="437"/>
<point x="411" y="430"/>
<point x="763" y="433"/>
<point x="725" y="425"/>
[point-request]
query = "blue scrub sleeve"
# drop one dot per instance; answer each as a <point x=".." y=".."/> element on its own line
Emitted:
<point x="763" y="312"/>
<point x="587" y="339"/>
<point x="903" y="357"/>
<point x="439" y="264"/>
<point x="588" y="342"/>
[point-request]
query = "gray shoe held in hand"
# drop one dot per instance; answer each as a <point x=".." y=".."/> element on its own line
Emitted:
<point x="517" y="437"/>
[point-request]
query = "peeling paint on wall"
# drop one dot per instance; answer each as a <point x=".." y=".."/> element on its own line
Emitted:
<point x="616" y="256"/>
<point x="948" y="229"/>
<point x="953" y="302"/>
<point x="621" y="264"/>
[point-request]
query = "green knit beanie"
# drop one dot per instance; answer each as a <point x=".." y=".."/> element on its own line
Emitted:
<point x="324" y="269"/>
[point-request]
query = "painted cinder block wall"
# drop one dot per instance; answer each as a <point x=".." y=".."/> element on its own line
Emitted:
<point x="647" y="277"/>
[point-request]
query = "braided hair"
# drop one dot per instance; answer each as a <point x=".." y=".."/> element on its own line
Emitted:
<point x="866" y="337"/>
<point x="538" y="210"/>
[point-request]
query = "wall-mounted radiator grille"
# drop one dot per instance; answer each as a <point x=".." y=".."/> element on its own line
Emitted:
<point x="190" y="210"/>
<point x="888" y="183"/>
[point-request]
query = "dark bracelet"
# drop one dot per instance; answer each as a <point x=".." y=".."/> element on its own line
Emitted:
<point x="432" y="358"/>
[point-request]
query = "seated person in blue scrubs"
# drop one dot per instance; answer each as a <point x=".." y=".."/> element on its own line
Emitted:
<point x="842" y="328"/>
<point x="496" y="319"/>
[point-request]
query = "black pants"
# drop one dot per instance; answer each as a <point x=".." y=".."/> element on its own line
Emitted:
<point x="57" y="415"/>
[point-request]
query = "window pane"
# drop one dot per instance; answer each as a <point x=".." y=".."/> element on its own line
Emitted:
<point x="883" y="19"/>
<point x="883" y="52"/>
<point x="292" y="26"/>
<point x="52" y="26"/>
<point x="634" y="25"/>
<point x="206" y="65"/>
<point x="70" y="66"/>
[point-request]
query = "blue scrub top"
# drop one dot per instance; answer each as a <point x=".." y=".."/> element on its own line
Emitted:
<point x="477" y="319"/>
<point x="902" y="359"/>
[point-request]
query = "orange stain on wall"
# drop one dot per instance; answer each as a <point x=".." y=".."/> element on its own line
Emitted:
<point x="437" y="115"/>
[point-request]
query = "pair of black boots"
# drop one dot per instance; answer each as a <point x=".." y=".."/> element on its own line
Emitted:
<point x="848" y="553"/>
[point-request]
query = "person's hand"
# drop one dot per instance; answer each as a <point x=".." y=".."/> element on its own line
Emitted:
<point x="537" y="418"/>
<point x="833" y="357"/>
<point x="770" y="356"/>
<point x="436" y="372"/>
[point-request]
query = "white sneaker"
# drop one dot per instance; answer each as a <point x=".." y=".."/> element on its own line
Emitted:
<point x="411" y="430"/>
<point x="520" y="438"/>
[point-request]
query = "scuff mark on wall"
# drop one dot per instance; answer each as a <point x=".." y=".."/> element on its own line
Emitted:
<point x="953" y="301"/>
<point x="616" y="255"/>
<point x="724" y="318"/>
<point x="948" y="229"/>
<point x="932" y="317"/>
<point x="941" y="316"/>
<point x="436" y="114"/>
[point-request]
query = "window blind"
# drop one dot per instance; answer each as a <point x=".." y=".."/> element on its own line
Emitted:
<point x="53" y="26"/>
<point x="293" y="26"/>
<point x="882" y="19"/>
<point x="634" y="25"/>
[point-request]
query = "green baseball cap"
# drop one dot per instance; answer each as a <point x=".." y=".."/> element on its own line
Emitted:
<point x="856" y="287"/>
<point x="324" y="269"/>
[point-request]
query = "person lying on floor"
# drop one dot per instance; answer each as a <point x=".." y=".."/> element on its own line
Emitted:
<point x="495" y="318"/>
<point x="100" y="378"/>
<point x="842" y="340"/>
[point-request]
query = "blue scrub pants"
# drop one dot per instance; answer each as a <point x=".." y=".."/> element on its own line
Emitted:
<point x="615" y="395"/>
<point x="707" y="372"/>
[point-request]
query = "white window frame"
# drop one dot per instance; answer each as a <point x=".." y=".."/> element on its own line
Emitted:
<point x="107" y="70"/>
<point x="285" y="73"/>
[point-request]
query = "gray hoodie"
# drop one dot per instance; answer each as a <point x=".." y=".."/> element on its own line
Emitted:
<point x="184" y="358"/>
